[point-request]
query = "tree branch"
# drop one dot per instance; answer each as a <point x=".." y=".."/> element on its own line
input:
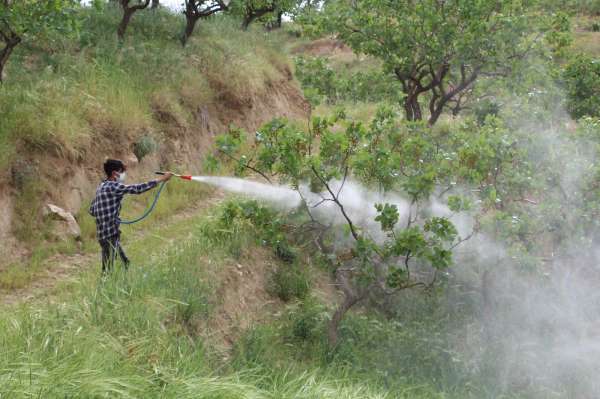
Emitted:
<point x="338" y="203"/>
<point x="246" y="165"/>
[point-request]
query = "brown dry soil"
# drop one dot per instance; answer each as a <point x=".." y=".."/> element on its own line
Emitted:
<point x="325" y="47"/>
<point x="243" y="300"/>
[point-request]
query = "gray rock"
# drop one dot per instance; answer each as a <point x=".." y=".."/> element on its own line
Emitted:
<point x="72" y="228"/>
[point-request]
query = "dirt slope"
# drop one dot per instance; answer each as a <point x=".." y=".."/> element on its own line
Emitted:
<point x="69" y="178"/>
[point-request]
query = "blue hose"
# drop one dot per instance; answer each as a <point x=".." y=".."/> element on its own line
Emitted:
<point x="149" y="210"/>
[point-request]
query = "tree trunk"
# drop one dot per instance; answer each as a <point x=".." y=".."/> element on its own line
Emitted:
<point x="127" y="14"/>
<point x="412" y="108"/>
<point x="252" y="15"/>
<point x="276" y="24"/>
<point x="155" y="4"/>
<point x="334" y="324"/>
<point x="6" y="52"/>
<point x="247" y="21"/>
<point x="408" y="110"/>
<point x="435" y="115"/>
<point x="189" y="29"/>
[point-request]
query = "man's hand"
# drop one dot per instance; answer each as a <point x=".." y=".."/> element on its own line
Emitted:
<point x="165" y="177"/>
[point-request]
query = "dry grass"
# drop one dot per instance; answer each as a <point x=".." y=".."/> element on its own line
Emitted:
<point x="585" y="39"/>
<point x="587" y="43"/>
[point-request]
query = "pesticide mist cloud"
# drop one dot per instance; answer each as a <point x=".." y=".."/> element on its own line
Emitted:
<point x="281" y="196"/>
<point x="359" y="202"/>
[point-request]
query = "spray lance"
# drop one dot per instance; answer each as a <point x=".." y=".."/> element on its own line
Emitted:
<point x="156" y="197"/>
<point x="184" y="177"/>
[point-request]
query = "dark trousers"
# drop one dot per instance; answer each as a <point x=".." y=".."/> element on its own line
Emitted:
<point x="110" y="248"/>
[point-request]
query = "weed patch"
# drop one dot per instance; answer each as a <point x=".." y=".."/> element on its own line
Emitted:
<point x="289" y="281"/>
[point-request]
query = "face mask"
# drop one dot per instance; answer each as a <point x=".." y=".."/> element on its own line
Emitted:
<point x="121" y="178"/>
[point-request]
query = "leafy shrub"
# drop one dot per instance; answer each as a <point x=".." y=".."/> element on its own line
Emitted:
<point x="582" y="81"/>
<point x="210" y="164"/>
<point x="596" y="27"/>
<point x="288" y="282"/>
<point x="317" y="78"/>
<point x="266" y="223"/>
<point x="306" y="321"/>
<point x="485" y="108"/>
<point x="146" y="145"/>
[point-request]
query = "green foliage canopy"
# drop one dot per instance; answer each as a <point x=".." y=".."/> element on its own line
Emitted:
<point x="253" y="10"/>
<point x="437" y="50"/>
<point x="582" y="81"/>
<point x="408" y="158"/>
<point x="33" y="20"/>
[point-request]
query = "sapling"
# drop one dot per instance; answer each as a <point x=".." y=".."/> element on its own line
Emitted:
<point x="389" y="157"/>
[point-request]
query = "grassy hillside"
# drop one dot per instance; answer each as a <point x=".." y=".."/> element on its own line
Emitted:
<point x="213" y="305"/>
<point x="68" y="103"/>
<point x="587" y="35"/>
<point x="151" y="332"/>
<point x="71" y="91"/>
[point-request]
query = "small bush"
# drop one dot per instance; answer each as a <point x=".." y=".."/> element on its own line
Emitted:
<point x="317" y="78"/>
<point x="288" y="282"/>
<point x="306" y="321"/>
<point x="265" y="222"/>
<point x="145" y="145"/>
<point x="596" y="27"/>
<point x="485" y="108"/>
<point x="582" y="80"/>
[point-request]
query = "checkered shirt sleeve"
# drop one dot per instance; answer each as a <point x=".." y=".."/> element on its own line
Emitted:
<point x="106" y="205"/>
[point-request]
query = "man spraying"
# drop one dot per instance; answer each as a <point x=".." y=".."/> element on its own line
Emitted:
<point x="106" y="206"/>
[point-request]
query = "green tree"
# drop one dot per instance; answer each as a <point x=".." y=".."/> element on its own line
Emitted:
<point x="437" y="50"/>
<point x="408" y="159"/>
<point x="582" y="81"/>
<point x="195" y="10"/>
<point x="129" y="7"/>
<point x="253" y="10"/>
<point x="32" y="20"/>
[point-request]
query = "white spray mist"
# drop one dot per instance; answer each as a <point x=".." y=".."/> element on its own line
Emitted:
<point x="283" y="197"/>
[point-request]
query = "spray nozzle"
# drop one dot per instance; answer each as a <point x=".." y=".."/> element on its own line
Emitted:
<point x="185" y="177"/>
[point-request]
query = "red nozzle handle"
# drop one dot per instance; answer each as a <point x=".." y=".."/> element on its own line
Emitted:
<point x="185" y="177"/>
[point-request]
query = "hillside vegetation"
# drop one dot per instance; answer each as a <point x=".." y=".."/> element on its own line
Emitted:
<point x="69" y="102"/>
<point x="146" y="334"/>
<point x="444" y="243"/>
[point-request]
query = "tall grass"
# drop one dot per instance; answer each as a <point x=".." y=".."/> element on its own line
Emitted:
<point x="135" y="335"/>
<point x="70" y="90"/>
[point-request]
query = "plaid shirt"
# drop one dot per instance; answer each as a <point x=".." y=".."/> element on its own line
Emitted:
<point x="107" y="204"/>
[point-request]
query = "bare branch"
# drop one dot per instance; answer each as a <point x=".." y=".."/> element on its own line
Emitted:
<point x="338" y="203"/>
<point x="246" y="165"/>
